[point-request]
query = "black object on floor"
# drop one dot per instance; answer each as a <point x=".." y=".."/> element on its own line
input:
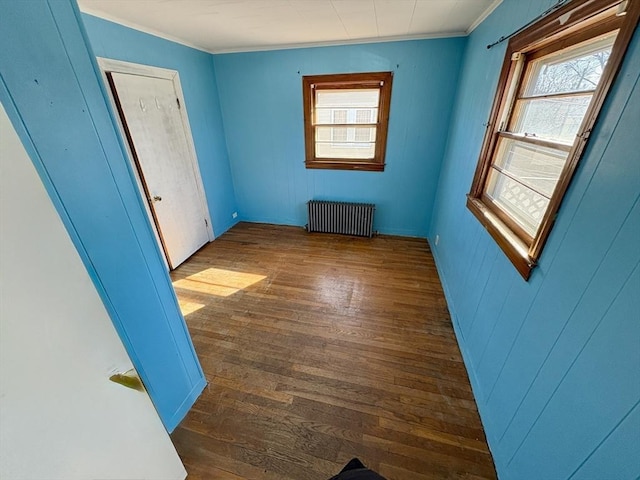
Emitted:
<point x="355" y="470"/>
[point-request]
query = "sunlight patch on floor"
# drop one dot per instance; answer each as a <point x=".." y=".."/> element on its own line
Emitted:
<point x="189" y="307"/>
<point x="217" y="281"/>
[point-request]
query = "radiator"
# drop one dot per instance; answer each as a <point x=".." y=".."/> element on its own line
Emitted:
<point x="341" y="217"/>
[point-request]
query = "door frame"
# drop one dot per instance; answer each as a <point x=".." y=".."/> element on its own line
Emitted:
<point x="118" y="66"/>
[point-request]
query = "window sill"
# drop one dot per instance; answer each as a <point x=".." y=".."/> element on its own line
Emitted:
<point x="341" y="165"/>
<point x="515" y="249"/>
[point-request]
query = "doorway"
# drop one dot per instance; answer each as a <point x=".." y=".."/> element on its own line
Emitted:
<point x="152" y="117"/>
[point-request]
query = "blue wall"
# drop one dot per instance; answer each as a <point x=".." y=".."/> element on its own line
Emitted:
<point x="197" y="77"/>
<point x="555" y="362"/>
<point x="261" y="98"/>
<point x="50" y="89"/>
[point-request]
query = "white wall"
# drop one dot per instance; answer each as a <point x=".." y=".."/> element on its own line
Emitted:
<point x="60" y="416"/>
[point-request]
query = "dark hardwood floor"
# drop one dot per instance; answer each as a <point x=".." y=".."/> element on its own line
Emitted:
<point x="319" y="348"/>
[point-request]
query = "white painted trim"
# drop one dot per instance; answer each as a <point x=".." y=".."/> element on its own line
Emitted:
<point x="488" y="11"/>
<point x="194" y="157"/>
<point x="140" y="28"/>
<point x="102" y="62"/>
<point x="337" y="43"/>
<point x="119" y="66"/>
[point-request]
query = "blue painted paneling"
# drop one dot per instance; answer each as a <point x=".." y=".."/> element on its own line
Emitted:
<point x="261" y="98"/>
<point x="554" y="362"/>
<point x="51" y="91"/>
<point x="597" y="465"/>
<point x="581" y="411"/>
<point x="198" y="80"/>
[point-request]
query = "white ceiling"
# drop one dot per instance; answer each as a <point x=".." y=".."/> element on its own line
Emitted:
<point x="219" y="26"/>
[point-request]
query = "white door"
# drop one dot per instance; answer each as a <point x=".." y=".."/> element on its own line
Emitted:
<point x="60" y="416"/>
<point x="150" y="113"/>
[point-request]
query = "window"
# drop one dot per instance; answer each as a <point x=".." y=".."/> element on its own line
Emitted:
<point x="345" y="120"/>
<point x="553" y="82"/>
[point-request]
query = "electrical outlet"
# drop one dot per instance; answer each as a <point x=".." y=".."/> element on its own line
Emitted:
<point x="437" y="240"/>
<point x="234" y="214"/>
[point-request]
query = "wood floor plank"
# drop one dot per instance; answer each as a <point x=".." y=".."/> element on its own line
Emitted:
<point x="318" y="348"/>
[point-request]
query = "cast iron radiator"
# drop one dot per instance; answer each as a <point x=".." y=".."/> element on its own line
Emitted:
<point x="341" y="217"/>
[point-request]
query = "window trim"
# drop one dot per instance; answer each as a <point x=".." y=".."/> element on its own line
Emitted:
<point x="380" y="80"/>
<point x="571" y="24"/>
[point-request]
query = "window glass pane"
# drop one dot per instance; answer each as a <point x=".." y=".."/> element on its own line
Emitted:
<point x="360" y="106"/>
<point x="574" y="69"/>
<point x="339" y="134"/>
<point x="556" y="119"/>
<point x="359" y="151"/>
<point x="521" y="203"/>
<point x="324" y="116"/>
<point x="364" y="134"/>
<point x="339" y="116"/>
<point x="353" y="98"/>
<point x="364" y="116"/>
<point x="537" y="167"/>
<point x="346" y="134"/>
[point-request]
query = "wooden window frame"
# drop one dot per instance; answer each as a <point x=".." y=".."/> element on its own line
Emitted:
<point x="313" y="83"/>
<point x="575" y="22"/>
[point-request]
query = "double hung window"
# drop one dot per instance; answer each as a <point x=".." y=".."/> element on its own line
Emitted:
<point x="553" y="83"/>
<point x="346" y="119"/>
